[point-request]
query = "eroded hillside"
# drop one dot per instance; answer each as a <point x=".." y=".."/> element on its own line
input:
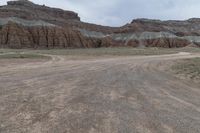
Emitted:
<point x="24" y="24"/>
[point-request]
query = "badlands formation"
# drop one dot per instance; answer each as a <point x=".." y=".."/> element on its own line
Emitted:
<point x="24" y="24"/>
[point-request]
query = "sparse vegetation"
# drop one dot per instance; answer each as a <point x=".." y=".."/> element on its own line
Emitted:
<point x="189" y="68"/>
<point x="119" y="51"/>
<point x="116" y="51"/>
<point x="21" y="56"/>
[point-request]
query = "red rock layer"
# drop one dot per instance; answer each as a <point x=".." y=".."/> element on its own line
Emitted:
<point x="66" y="30"/>
<point x="160" y="42"/>
<point x="17" y="36"/>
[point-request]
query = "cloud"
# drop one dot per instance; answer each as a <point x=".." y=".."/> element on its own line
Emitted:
<point x="120" y="12"/>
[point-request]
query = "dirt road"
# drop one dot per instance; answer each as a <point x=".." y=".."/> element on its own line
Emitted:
<point x="107" y="95"/>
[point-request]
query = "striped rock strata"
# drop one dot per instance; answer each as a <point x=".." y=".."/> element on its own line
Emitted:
<point x="24" y="24"/>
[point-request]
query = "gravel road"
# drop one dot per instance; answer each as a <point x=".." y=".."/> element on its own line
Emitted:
<point x="132" y="94"/>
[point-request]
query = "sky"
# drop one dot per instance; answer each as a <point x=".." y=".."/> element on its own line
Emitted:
<point x="121" y="12"/>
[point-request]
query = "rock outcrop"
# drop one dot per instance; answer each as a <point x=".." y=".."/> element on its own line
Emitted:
<point x="28" y="10"/>
<point x="13" y="35"/>
<point x="24" y="24"/>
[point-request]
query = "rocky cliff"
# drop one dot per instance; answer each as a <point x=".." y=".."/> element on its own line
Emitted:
<point x="24" y="24"/>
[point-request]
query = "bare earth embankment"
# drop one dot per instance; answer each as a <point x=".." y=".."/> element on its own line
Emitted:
<point x="89" y="93"/>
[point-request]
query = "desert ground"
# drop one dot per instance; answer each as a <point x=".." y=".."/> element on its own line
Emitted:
<point x="98" y="91"/>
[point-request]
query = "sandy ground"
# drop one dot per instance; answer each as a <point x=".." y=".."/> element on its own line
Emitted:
<point x="106" y="95"/>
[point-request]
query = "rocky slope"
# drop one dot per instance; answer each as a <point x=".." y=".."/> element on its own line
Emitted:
<point x="24" y="24"/>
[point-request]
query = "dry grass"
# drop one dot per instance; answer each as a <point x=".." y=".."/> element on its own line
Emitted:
<point x="19" y="55"/>
<point x="188" y="68"/>
<point x="117" y="51"/>
<point x="107" y="51"/>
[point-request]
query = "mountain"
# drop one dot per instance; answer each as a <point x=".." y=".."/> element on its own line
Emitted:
<point x="24" y="24"/>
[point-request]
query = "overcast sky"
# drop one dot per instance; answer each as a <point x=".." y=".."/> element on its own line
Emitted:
<point x="120" y="12"/>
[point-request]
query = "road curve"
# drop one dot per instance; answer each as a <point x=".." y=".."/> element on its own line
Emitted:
<point x="108" y="95"/>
